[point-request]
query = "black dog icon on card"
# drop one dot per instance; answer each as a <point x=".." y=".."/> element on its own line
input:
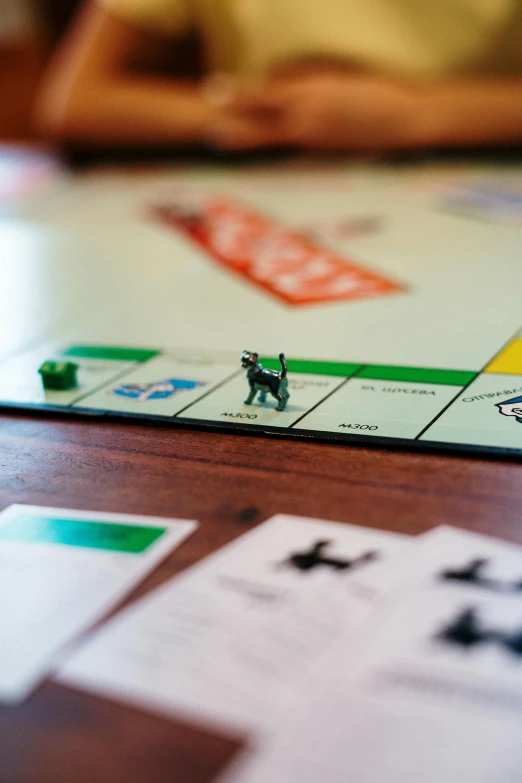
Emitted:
<point x="467" y="631"/>
<point x="473" y="573"/>
<point x="315" y="557"/>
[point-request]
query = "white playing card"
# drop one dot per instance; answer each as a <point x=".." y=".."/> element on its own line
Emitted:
<point x="233" y="639"/>
<point x="61" y="570"/>
<point x="434" y="690"/>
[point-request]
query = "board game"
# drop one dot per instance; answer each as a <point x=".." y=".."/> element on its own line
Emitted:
<point x="395" y="295"/>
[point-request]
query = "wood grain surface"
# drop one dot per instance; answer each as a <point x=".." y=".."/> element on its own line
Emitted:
<point x="229" y="483"/>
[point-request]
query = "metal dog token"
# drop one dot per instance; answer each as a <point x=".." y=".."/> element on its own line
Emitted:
<point x="265" y="381"/>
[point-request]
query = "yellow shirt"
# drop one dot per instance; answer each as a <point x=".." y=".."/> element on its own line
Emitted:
<point x="413" y="38"/>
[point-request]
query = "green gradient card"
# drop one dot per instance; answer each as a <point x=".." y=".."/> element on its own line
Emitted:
<point x="62" y="571"/>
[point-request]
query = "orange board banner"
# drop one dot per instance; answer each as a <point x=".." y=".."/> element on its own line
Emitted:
<point x="283" y="261"/>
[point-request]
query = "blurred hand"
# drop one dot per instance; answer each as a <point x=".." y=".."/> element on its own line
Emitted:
<point x="325" y="111"/>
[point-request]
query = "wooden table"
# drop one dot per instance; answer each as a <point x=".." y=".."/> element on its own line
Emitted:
<point x="229" y="483"/>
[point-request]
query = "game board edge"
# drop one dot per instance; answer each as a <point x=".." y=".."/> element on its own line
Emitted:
<point x="175" y="422"/>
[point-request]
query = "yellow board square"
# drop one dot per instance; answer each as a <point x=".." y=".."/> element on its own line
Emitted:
<point x="509" y="362"/>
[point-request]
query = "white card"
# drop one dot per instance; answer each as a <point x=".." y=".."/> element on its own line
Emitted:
<point x="367" y="587"/>
<point x="232" y="640"/>
<point x="61" y="570"/>
<point x="435" y="691"/>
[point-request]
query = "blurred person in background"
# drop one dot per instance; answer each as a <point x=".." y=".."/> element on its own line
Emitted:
<point x="310" y="74"/>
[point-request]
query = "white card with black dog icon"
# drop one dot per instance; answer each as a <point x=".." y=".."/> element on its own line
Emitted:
<point x="433" y="692"/>
<point x="459" y="614"/>
<point x="232" y="640"/>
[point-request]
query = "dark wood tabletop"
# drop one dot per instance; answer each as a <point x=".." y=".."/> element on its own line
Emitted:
<point x="229" y="483"/>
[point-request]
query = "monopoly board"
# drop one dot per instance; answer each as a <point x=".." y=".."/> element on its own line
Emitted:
<point x="338" y="400"/>
<point x="394" y="294"/>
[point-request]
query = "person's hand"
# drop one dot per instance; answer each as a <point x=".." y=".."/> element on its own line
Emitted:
<point x="324" y="111"/>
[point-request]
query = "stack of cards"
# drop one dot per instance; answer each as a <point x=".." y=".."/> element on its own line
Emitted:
<point x="340" y="652"/>
<point x="431" y="690"/>
<point x="344" y="653"/>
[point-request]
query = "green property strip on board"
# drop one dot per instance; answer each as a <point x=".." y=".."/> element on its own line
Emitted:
<point x="88" y="534"/>
<point x="378" y="372"/>
<point x="341" y="369"/>
<point x="111" y="352"/>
